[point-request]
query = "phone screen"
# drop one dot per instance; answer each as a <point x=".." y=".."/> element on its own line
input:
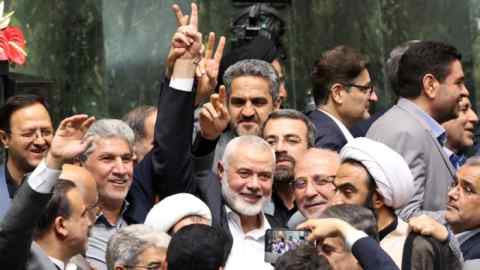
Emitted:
<point x="279" y="241"/>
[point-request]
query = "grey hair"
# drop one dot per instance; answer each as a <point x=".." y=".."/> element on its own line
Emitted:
<point x="359" y="217"/>
<point x="135" y="119"/>
<point x="472" y="161"/>
<point x="245" y="142"/>
<point x="252" y="67"/>
<point x="127" y="244"/>
<point x="295" y="115"/>
<point x="106" y="129"/>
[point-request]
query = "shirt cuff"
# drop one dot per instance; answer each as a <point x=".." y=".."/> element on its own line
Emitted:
<point x="43" y="179"/>
<point x="353" y="236"/>
<point x="185" y="85"/>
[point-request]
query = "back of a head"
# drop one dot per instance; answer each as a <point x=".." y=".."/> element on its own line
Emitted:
<point x="424" y="57"/>
<point x="391" y="66"/>
<point x="135" y="119"/>
<point x="197" y="247"/>
<point x="359" y="217"/>
<point x="341" y="64"/>
<point x="304" y="257"/>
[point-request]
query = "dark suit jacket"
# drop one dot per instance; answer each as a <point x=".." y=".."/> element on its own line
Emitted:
<point x="471" y="248"/>
<point x="328" y="133"/>
<point x="170" y="168"/>
<point x="170" y="149"/>
<point x="371" y="256"/>
<point x="16" y="232"/>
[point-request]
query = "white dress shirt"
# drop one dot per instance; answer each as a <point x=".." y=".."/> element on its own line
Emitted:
<point x="341" y="126"/>
<point x="248" y="249"/>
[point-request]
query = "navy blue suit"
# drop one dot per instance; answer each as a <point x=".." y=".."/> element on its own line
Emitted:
<point x="471" y="248"/>
<point x="328" y="135"/>
<point x="371" y="256"/>
<point x="154" y="175"/>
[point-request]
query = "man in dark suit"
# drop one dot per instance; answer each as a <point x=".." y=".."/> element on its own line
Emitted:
<point x="63" y="232"/>
<point x="430" y="85"/>
<point x="343" y="92"/>
<point x="25" y="133"/>
<point x="463" y="212"/>
<point x="236" y="195"/>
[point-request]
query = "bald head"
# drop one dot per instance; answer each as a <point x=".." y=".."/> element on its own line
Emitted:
<point x="314" y="173"/>
<point x="84" y="181"/>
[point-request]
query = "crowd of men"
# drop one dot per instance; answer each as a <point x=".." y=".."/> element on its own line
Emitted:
<point x="196" y="182"/>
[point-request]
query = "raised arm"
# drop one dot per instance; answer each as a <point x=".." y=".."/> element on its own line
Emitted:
<point x="16" y="229"/>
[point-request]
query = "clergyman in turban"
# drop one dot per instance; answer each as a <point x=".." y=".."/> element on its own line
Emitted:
<point x="373" y="175"/>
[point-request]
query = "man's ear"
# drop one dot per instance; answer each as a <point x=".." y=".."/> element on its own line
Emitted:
<point x="430" y="86"/>
<point x="336" y="93"/>
<point x="377" y="200"/>
<point x="165" y="264"/>
<point x="220" y="169"/>
<point x="277" y="103"/>
<point x="4" y="138"/>
<point x="60" y="228"/>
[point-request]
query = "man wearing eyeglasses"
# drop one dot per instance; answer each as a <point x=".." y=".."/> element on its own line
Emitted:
<point x="343" y="92"/>
<point x="463" y="213"/>
<point x="25" y="132"/>
<point x="290" y="133"/>
<point x="313" y="184"/>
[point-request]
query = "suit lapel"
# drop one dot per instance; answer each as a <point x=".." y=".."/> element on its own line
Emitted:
<point x="405" y="107"/>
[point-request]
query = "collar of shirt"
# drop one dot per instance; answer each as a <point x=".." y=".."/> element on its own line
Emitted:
<point x="102" y="219"/>
<point x="57" y="262"/>
<point x="464" y="236"/>
<point x="435" y="128"/>
<point x="234" y="220"/>
<point x="12" y="188"/>
<point x="348" y="135"/>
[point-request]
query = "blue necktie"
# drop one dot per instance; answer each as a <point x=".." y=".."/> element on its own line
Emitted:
<point x="457" y="160"/>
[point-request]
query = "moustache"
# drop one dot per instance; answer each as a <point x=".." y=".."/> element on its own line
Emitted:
<point x="284" y="157"/>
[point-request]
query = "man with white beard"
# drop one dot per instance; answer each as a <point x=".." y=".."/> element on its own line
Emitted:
<point x="238" y="193"/>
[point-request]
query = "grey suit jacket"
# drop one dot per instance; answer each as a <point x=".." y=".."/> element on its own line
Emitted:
<point x="17" y="251"/>
<point x="404" y="131"/>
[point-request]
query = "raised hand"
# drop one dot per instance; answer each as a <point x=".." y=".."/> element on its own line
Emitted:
<point x="428" y="226"/>
<point x="68" y="141"/>
<point x="214" y="117"/>
<point x="325" y="227"/>
<point x="187" y="41"/>
<point x="206" y="72"/>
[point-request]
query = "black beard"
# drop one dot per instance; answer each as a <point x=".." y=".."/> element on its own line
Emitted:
<point x="283" y="175"/>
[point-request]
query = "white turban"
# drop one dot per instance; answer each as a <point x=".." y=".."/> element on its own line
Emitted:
<point x="389" y="170"/>
<point x="165" y="214"/>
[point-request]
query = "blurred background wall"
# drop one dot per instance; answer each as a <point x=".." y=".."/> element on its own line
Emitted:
<point x="106" y="56"/>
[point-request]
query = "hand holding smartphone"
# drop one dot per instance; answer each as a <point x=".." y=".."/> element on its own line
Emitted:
<point x="279" y="241"/>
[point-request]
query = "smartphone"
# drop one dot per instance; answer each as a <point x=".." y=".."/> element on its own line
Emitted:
<point x="279" y="241"/>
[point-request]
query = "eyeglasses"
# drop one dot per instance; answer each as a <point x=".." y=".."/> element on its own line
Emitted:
<point x="150" y="266"/>
<point x="367" y="89"/>
<point x="34" y="133"/>
<point x="318" y="181"/>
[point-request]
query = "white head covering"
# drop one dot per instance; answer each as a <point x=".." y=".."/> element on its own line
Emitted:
<point x="165" y="214"/>
<point x="389" y="170"/>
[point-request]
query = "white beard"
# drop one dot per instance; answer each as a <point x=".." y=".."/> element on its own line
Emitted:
<point x="235" y="201"/>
